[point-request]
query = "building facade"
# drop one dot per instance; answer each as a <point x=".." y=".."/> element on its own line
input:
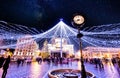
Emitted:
<point x="59" y="46"/>
<point x="26" y="46"/>
<point x="101" y="52"/>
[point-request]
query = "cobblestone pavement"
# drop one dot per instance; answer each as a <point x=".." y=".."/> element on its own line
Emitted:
<point x="36" y="70"/>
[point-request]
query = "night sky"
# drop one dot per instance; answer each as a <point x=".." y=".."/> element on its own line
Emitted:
<point x="44" y="14"/>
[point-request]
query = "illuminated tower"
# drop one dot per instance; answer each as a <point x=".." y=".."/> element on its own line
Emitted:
<point x="26" y="46"/>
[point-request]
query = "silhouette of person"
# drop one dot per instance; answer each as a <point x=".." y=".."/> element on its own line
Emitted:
<point x="18" y="62"/>
<point x="5" y="67"/>
<point x="1" y="61"/>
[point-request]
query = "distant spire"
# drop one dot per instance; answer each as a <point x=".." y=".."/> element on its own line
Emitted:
<point x="61" y="19"/>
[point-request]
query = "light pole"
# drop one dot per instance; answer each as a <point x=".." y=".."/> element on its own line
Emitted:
<point x="78" y="21"/>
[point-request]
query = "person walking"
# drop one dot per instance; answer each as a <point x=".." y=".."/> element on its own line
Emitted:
<point x="18" y="62"/>
<point x="5" y="67"/>
<point x="1" y="61"/>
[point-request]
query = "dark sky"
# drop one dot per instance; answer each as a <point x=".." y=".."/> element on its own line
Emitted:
<point x="43" y="14"/>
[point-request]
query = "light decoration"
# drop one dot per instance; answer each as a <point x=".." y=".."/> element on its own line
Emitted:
<point x="99" y="36"/>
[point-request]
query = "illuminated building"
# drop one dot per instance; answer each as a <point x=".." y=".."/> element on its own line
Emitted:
<point x="101" y="52"/>
<point x="26" y="46"/>
<point x="55" y="47"/>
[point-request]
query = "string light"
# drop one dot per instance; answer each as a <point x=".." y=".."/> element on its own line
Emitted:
<point x="103" y="35"/>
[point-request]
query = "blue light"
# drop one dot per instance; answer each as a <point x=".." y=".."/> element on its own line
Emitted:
<point x="102" y="35"/>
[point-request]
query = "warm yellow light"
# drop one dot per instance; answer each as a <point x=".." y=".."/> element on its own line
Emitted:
<point x="78" y="19"/>
<point x="38" y="51"/>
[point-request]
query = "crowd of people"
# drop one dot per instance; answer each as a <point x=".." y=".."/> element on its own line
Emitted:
<point x="98" y="62"/>
<point x="23" y="60"/>
<point x="54" y="60"/>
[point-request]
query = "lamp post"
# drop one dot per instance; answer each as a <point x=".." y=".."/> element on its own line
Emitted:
<point x="78" y="21"/>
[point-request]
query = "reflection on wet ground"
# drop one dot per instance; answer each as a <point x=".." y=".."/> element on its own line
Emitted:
<point x="35" y="70"/>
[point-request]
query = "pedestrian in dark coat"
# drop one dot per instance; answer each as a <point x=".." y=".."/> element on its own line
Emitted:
<point x="5" y="67"/>
<point x="1" y="61"/>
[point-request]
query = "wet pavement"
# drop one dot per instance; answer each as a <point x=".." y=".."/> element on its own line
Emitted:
<point x="35" y="70"/>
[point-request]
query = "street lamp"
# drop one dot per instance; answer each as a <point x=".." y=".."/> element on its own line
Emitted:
<point x="78" y="21"/>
